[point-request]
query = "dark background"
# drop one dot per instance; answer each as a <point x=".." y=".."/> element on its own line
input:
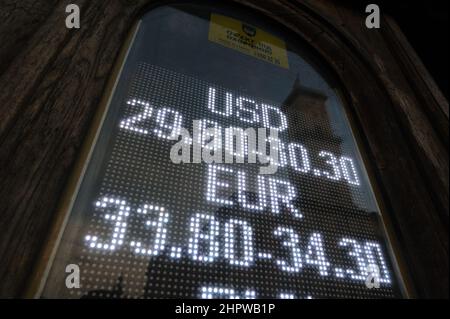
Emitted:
<point x="425" y="24"/>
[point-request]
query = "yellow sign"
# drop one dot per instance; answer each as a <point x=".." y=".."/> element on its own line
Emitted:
<point x="247" y="39"/>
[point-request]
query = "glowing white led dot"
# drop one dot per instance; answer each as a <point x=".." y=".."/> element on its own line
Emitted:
<point x="350" y="176"/>
<point x="203" y="245"/>
<point x="292" y="243"/>
<point x="315" y="254"/>
<point x="284" y="192"/>
<point x="207" y="137"/>
<point x="214" y="183"/>
<point x="286" y="296"/>
<point x="165" y="129"/>
<point x="243" y="192"/>
<point x="247" y="110"/>
<point x="369" y="247"/>
<point x="175" y="252"/>
<point x="131" y="123"/>
<point x="267" y="119"/>
<point x="212" y="105"/>
<point x="246" y="243"/>
<point x="158" y="227"/>
<point x="334" y="163"/>
<point x="112" y="207"/>
<point x="299" y="160"/>
<point x="225" y="293"/>
<point x="235" y="136"/>
<point x="357" y="253"/>
<point x="273" y="151"/>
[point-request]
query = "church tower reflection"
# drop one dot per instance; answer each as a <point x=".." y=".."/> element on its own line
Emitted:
<point x="310" y="124"/>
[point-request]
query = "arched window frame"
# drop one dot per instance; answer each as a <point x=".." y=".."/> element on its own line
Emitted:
<point x="379" y="115"/>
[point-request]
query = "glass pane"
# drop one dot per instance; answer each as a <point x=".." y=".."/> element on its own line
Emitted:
<point x="143" y="226"/>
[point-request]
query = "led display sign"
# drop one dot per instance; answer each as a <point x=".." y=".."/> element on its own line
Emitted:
<point x="154" y="217"/>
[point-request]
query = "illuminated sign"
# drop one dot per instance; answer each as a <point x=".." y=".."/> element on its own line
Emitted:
<point x="247" y="39"/>
<point x="143" y="225"/>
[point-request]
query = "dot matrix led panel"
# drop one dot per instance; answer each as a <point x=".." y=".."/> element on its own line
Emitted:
<point x="143" y="226"/>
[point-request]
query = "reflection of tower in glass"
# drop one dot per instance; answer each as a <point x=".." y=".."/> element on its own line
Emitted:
<point x="309" y="124"/>
<point x="307" y="115"/>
